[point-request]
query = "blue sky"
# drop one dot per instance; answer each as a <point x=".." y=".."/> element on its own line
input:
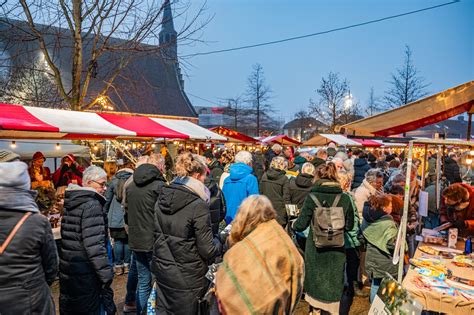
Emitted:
<point x="442" y="42"/>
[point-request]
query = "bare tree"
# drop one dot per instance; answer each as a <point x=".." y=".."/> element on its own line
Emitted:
<point x="258" y="94"/>
<point x="103" y="35"/>
<point x="406" y="84"/>
<point x="330" y="105"/>
<point x="373" y="105"/>
<point x="30" y="87"/>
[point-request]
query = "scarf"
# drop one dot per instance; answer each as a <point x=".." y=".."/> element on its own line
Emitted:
<point x="17" y="199"/>
<point x="195" y="186"/>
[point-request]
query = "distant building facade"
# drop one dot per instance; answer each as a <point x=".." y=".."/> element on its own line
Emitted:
<point x="303" y="128"/>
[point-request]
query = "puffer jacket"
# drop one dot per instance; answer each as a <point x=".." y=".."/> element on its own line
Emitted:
<point x="240" y="184"/>
<point x="182" y="251"/>
<point x="113" y="207"/>
<point x="451" y="171"/>
<point x="217" y="207"/>
<point x="142" y="195"/>
<point x="84" y="269"/>
<point x="276" y="186"/>
<point x="28" y="265"/>
<point x="361" y="166"/>
<point x="300" y="186"/>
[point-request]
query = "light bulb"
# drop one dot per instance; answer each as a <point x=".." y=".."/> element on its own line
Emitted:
<point x="153" y="145"/>
<point x="134" y="146"/>
<point x="95" y="148"/>
<point x="471" y="153"/>
<point x="13" y="145"/>
<point x="58" y="146"/>
<point x="469" y="161"/>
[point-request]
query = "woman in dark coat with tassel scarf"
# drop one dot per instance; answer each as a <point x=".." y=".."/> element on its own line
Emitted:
<point x="29" y="261"/>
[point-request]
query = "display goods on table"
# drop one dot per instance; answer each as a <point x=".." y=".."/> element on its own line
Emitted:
<point x="442" y="278"/>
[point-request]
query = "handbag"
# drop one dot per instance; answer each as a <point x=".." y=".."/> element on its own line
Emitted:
<point x="10" y="236"/>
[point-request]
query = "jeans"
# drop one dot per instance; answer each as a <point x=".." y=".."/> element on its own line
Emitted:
<point x="374" y="287"/>
<point x="121" y="252"/>
<point x="132" y="281"/>
<point x="144" y="279"/>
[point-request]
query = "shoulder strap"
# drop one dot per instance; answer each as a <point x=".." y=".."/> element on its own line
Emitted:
<point x="336" y="200"/>
<point x="316" y="200"/>
<point x="13" y="232"/>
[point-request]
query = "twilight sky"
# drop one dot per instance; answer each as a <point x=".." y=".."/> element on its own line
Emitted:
<point x="442" y="41"/>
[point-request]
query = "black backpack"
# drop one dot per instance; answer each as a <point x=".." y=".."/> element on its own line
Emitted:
<point x="328" y="223"/>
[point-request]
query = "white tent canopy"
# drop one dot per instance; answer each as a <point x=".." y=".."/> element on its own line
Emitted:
<point x="26" y="148"/>
<point x="324" y="138"/>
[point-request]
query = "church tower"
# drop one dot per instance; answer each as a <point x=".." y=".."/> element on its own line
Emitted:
<point x="168" y="35"/>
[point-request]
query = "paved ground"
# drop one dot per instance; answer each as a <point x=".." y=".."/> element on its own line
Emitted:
<point x="359" y="307"/>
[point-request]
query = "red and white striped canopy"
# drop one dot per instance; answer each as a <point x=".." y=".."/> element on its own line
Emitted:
<point x="46" y="123"/>
<point x="280" y="139"/>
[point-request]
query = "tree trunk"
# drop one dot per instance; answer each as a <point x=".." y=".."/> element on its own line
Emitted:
<point x="77" y="56"/>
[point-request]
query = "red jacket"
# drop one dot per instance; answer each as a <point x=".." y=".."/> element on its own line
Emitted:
<point x="63" y="177"/>
<point x="467" y="214"/>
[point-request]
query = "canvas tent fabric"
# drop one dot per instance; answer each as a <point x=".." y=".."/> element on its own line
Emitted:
<point x="280" y="139"/>
<point x="45" y="123"/>
<point x="233" y="135"/>
<point x="26" y="148"/>
<point x="323" y="139"/>
<point x="430" y="110"/>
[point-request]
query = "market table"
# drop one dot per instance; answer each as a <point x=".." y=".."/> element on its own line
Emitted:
<point x="435" y="301"/>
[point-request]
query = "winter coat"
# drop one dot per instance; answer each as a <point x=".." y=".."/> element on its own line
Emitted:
<point x="269" y="155"/>
<point x="84" y="269"/>
<point x="217" y="208"/>
<point x="362" y="194"/>
<point x="451" y="171"/>
<point x="360" y="168"/>
<point x="318" y="162"/>
<point x="258" y="165"/>
<point x="276" y="186"/>
<point x="351" y="239"/>
<point x="299" y="161"/>
<point x="113" y="207"/>
<point x="300" y="186"/>
<point x="380" y="233"/>
<point x="142" y="195"/>
<point x="237" y="186"/>
<point x="216" y="170"/>
<point x="64" y="175"/>
<point x="324" y="268"/>
<point x="182" y="251"/>
<point x="28" y="265"/>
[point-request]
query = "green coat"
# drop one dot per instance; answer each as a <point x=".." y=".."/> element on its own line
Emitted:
<point x="324" y="268"/>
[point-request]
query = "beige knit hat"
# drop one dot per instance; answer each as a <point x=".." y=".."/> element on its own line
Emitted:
<point x="8" y="156"/>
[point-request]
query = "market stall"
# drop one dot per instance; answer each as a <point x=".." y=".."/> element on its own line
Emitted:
<point x="233" y="135"/>
<point x="323" y="139"/>
<point x="436" y="299"/>
<point x="280" y="139"/>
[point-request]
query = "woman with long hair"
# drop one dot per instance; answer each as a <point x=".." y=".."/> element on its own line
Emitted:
<point x="184" y="245"/>
<point x="261" y="259"/>
<point x="324" y="265"/>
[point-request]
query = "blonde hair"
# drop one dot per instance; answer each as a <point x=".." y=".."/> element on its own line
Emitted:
<point x="187" y="165"/>
<point x="279" y="163"/>
<point x="345" y="179"/>
<point x="254" y="210"/>
<point x="308" y="168"/>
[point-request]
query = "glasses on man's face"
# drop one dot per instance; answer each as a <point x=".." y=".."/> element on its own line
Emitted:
<point x="101" y="184"/>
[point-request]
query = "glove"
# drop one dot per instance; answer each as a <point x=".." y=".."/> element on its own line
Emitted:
<point x="459" y="224"/>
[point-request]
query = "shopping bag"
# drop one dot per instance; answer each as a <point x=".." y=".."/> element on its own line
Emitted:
<point x="151" y="303"/>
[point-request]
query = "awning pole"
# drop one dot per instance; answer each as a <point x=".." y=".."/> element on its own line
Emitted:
<point x="469" y="125"/>
<point x="423" y="170"/>
<point x="406" y="206"/>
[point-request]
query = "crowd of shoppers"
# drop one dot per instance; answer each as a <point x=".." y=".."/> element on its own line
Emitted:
<point x="165" y="231"/>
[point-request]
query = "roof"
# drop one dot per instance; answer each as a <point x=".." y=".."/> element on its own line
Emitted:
<point x="280" y="139"/>
<point x="432" y="109"/>
<point x="303" y="123"/>
<point x="149" y="84"/>
<point x="46" y="123"/>
<point x="232" y="135"/>
<point x="323" y="139"/>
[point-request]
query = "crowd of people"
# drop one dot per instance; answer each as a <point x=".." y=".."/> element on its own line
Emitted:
<point x="164" y="227"/>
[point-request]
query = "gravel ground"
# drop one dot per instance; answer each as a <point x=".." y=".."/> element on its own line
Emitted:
<point x="359" y="307"/>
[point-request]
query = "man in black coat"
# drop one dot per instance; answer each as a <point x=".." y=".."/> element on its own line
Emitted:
<point x="85" y="274"/>
<point x="451" y="168"/>
<point x="361" y="166"/>
<point x="141" y="196"/>
<point x="275" y="150"/>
